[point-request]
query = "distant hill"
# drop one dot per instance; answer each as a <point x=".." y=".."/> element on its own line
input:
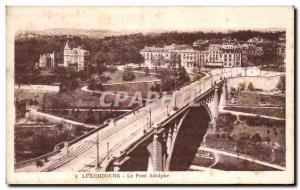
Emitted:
<point x="69" y="31"/>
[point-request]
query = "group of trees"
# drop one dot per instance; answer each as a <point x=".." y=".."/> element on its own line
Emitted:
<point x="242" y="86"/>
<point x="95" y="85"/>
<point x="180" y="78"/>
<point x="116" y="49"/>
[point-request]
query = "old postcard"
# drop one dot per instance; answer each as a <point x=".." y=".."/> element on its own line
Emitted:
<point x="150" y="95"/>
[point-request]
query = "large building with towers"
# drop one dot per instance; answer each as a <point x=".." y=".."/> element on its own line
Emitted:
<point x="75" y="59"/>
<point x="215" y="55"/>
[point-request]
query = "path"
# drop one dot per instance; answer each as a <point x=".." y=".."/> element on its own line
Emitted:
<point x="132" y="82"/>
<point x="88" y="109"/>
<point x="200" y="168"/>
<point x="243" y="157"/>
<point x="61" y="119"/>
<point x="250" y="114"/>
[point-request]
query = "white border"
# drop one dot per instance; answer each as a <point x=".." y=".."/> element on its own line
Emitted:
<point x="107" y="2"/>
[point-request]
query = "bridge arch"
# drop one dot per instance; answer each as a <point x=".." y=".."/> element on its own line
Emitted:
<point x="191" y="131"/>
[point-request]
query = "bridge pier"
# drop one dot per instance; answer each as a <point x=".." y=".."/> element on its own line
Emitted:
<point x="156" y="158"/>
<point x="157" y="153"/>
<point x="150" y="164"/>
<point x="169" y="141"/>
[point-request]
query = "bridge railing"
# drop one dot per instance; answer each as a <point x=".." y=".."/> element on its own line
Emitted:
<point x="34" y="160"/>
<point x="88" y="133"/>
<point x="58" y="147"/>
<point x="128" y="113"/>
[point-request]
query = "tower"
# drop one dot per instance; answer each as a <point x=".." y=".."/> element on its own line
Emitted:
<point x="67" y="54"/>
<point x="52" y="58"/>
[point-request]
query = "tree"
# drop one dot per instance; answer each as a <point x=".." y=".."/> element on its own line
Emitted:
<point x="267" y="139"/>
<point x="155" y="87"/>
<point x="250" y="86"/>
<point x="90" y="117"/>
<point x="128" y="75"/>
<point x="281" y="84"/>
<point x="147" y="71"/>
<point x="168" y="84"/>
<point x="158" y="61"/>
<point x="73" y="84"/>
<point x="262" y="100"/>
<point x="242" y="86"/>
<point x="256" y="138"/>
<point x="232" y="90"/>
<point x="183" y="75"/>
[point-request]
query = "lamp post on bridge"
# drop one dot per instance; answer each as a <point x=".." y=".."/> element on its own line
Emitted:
<point x="150" y="116"/>
<point x="97" y="142"/>
<point x="107" y="150"/>
<point x="98" y="161"/>
<point x="175" y="106"/>
<point x="97" y="153"/>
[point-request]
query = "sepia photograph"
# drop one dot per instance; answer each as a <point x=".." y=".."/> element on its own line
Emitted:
<point x="150" y="95"/>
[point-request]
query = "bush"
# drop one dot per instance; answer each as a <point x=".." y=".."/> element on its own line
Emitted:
<point x="95" y="85"/>
<point x="128" y="75"/>
<point x="105" y="78"/>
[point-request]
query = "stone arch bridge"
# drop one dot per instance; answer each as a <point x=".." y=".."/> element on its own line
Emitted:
<point x="168" y="142"/>
<point x="172" y="144"/>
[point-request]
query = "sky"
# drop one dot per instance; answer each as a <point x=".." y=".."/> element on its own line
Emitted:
<point x="148" y="19"/>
